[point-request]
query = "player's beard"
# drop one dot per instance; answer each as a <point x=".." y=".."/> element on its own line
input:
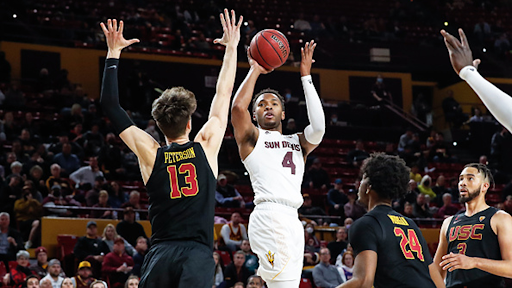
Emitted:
<point x="471" y="195"/>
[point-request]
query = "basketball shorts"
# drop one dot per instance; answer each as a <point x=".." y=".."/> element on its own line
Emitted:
<point x="178" y="264"/>
<point x="277" y="237"/>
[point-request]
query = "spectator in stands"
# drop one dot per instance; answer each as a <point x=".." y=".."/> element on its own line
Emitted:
<point x="35" y="175"/>
<point x="129" y="229"/>
<point x="500" y="153"/>
<point x="10" y="240"/>
<point x="339" y="245"/>
<point x="316" y="176"/>
<point x="54" y="270"/>
<point x="110" y="159"/>
<point x="251" y="261"/>
<point x="236" y="271"/>
<point x="55" y="177"/>
<point x="454" y="189"/>
<point x="425" y="188"/>
<point x="291" y="127"/>
<point x="439" y="189"/>
<point x="233" y="233"/>
<point x="440" y="151"/>
<point x="132" y="282"/>
<point x="85" y="176"/>
<point x="117" y="196"/>
<point x="40" y="267"/>
<point x="239" y="285"/>
<point x="353" y="209"/>
<point x="83" y="278"/>
<point x="254" y="281"/>
<point x="307" y="209"/>
<point x="357" y="156"/>
<point x="91" y="248"/>
<point x="317" y="27"/>
<point x="415" y="173"/>
<point x="336" y="198"/>
<point x="57" y="148"/>
<point x="133" y="200"/>
<point x="141" y="249"/>
<point x="91" y="116"/>
<point x="10" y="192"/>
<point x="346" y="266"/>
<point x="27" y="142"/>
<point x="325" y="274"/>
<point x="17" y="275"/>
<point x="28" y="213"/>
<point x="46" y="283"/>
<point x="408" y="210"/>
<point x="301" y="24"/>
<point x="93" y="141"/>
<point x="99" y="284"/>
<point x="117" y="264"/>
<point x="32" y="281"/>
<point x="14" y="98"/>
<point x="448" y="209"/>
<point x="76" y="135"/>
<point x="92" y="195"/>
<point x="102" y="203"/>
<point x="482" y="31"/>
<point x="421" y="208"/>
<point x="67" y="283"/>
<point x="379" y="92"/>
<point x="218" y="277"/>
<point x="405" y="139"/>
<point x="68" y="162"/>
<point x="54" y="200"/>
<point x="110" y="234"/>
<point x="226" y="195"/>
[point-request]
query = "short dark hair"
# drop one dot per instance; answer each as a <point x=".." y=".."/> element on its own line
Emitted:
<point x="482" y="169"/>
<point x="388" y="175"/>
<point x="265" y="91"/>
<point x="173" y="109"/>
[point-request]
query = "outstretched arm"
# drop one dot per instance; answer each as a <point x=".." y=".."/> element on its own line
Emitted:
<point x="140" y="142"/>
<point x="314" y="132"/>
<point x="212" y="133"/>
<point x="245" y="132"/>
<point x="497" y="101"/>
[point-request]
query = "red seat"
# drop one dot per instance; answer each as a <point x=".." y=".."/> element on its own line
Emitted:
<point x="66" y="244"/>
<point x="305" y="283"/>
<point x="12" y="265"/>
<point x="226" y="258"/>
<point x="3" y="270"/>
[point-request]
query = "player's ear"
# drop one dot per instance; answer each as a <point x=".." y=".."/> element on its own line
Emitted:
<point x="282" y="115"/>
<point x="486" y="186"/>
<point x="189" y="124"/>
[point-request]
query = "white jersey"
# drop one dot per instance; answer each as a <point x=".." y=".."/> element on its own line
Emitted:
<point x="276" y="168"/>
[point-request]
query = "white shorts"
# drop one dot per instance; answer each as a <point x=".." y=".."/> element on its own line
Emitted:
<point x="277" y="237"/>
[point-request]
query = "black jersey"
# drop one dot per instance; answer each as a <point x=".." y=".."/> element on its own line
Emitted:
<point x="474" y="237"/>
<point x="181" y="192"/>
<point x="403" y="255"/>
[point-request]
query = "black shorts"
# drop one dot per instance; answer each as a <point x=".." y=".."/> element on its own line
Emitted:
<point x="178" y="264"/>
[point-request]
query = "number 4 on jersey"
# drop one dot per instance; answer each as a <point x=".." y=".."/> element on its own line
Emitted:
<point x="288" y="162"/>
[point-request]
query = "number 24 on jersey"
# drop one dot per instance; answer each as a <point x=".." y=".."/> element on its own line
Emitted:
<point x="409" y="243"/>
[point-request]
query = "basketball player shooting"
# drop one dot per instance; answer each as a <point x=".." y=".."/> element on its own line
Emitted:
<point x="275" y="163"/>
<point x="180" y="177"/>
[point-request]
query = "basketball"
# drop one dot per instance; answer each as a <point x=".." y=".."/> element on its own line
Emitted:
<point x="269" y="48"/>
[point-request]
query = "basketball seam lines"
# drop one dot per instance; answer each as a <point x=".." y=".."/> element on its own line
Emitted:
<point x="261" y="56"/>
<point x="280" y="59"/>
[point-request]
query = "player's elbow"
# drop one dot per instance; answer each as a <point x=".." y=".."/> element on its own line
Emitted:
<point x="237" y="109"/>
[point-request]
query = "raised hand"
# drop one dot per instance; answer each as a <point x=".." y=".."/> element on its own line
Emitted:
<point x="460" y="53"/>
<point x="115" y="38"/>
<point x="307" y="58"/>
<point x="256" y="66"/>
<point x="231" y="35"/>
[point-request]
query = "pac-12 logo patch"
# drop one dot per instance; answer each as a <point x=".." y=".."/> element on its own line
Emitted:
<point x="481" y="218"/>
<point x="270" y="258"/>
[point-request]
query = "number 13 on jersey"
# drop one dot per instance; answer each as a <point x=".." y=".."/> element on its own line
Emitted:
<point x="190" y="180"/>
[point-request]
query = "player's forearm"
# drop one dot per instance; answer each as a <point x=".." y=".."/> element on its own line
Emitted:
<point x="314" y="132"/>
<point x="501" y="268"/>
<point x="497" y="101"/>
<point x="225" y="83"/>
<point x="112" y="53"/>
<point x="109" y="98"/>
<point x="244" y="94"/>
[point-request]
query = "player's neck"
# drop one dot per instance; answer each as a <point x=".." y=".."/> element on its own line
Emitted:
<point x="475" y="206"/>
<point x="180" y="140"/>
<point x="372" y="203"/>
<point x="279" y="128"/>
